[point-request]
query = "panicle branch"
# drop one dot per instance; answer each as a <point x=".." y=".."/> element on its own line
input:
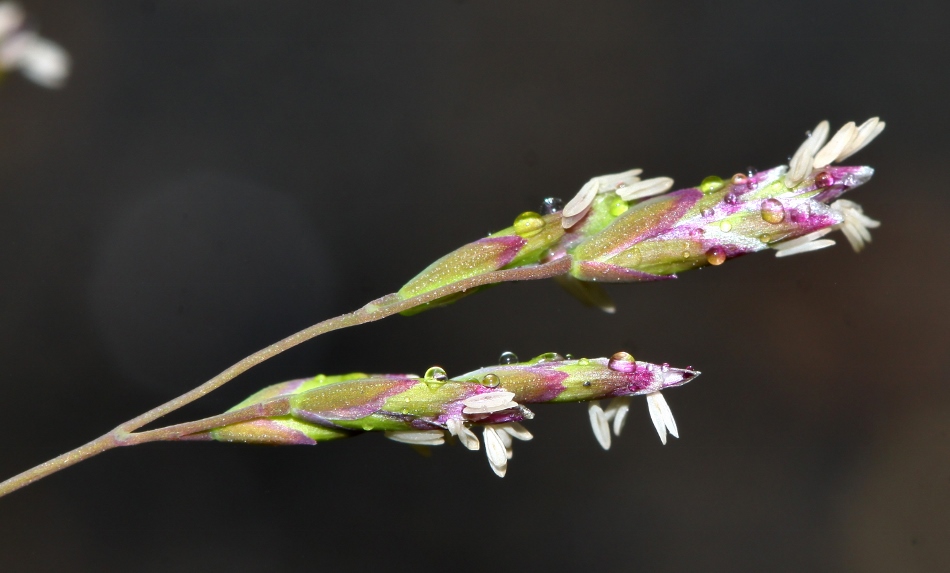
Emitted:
<point x="618" y="228"/>
<point x="423" y="411"/>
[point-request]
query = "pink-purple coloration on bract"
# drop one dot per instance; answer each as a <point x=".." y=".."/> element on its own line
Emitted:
<point x="420" y="411"/>
<point x="621" y="229"/>
<point x="618" y="228"/>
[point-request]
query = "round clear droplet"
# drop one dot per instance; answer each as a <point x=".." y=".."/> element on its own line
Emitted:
<point x="824" y="179"/>
<point x="547" y="357"/>
<point x="552" y="205"/>
<point x="436" y="373"/>
<point x="528" y="224"/>
<point x="716" y="256"/>
<point x="507" y="358"/>
<point x="491" y="381"/>
<point x="711" y="184"/>
<point x="622" y="362"/>
<point x="773" y="211"/>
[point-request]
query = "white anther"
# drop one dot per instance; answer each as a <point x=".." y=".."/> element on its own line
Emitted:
<point x="465" y="435"/>
<point x="496" y="451"/>
<point x="617" y="411"/>
<point x="577" y="207"/>
<point x="833" y="148"/>
<point x="645" y="188"/>
<point x="662" y="416"/>
<point x="599" y="423"/>
<point x="418" y="437"/>
<point x="865" y="134"/>
<point x="803" y="244"/>
<point x="800" y="165"/>
<point x="855" y="224"/>
<point x="489" y="402"/>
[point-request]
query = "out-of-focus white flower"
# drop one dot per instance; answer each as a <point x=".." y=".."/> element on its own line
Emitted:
<point x="42" y="61"/>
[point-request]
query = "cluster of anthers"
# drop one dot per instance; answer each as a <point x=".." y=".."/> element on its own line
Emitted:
<point x="626" y="185"/>
<point x="499" y="437"/>
<point x="40" y="60"/>
<point x="816" y="153"/>
<point x="616" y="412"/>
<point x="808" y="162"/>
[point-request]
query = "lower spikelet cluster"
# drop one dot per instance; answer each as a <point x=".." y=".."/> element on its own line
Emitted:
<point x="425" y="411"/>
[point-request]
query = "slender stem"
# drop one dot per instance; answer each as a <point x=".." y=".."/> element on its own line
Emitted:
<point x="97" y="446"/>
<point x="276" y="407"/>
<point x="116" y="438"/>
<point x="380" y="308"/>
<point x="376" y="310"/>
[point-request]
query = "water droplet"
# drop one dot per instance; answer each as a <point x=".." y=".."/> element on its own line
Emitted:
<point x="552" y="205"/>
<point x="726" y="226"/>
<point x="507" y="358"/>
<point x="553" y="254"/>
<point x="618" y="206"/>
<point x="547" y="357"/>
<point x="711" y="184"/>
<point x="716" y="256"/>
<point x="634" y="258"/>
<point x="824" y="179"/>
<point x="751" y="171"/>
<point x="491" y="381"/>
<point x="707" y="212"/>
<point x="622" y="362"/>
<point x="405" y="410"/>
<point x="620" y="185"/>
<point x="528" y="224"/>
<point x="773" y="211"/>
<point x="740" y="179"/>
<point x="731" y="198"/>
<point x="587" y="383"/>
<point x="568" y="356"/>
<point x="368" y="427"/>
<point x="665" y="367"/>
<point x="436" y="374"/>
<point x="685" y="254"/>
<point x="583" y="362"/>
<point x="697" y="233"/>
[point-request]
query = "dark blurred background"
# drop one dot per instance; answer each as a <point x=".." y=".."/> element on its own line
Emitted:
<point x="217" y="175"/>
